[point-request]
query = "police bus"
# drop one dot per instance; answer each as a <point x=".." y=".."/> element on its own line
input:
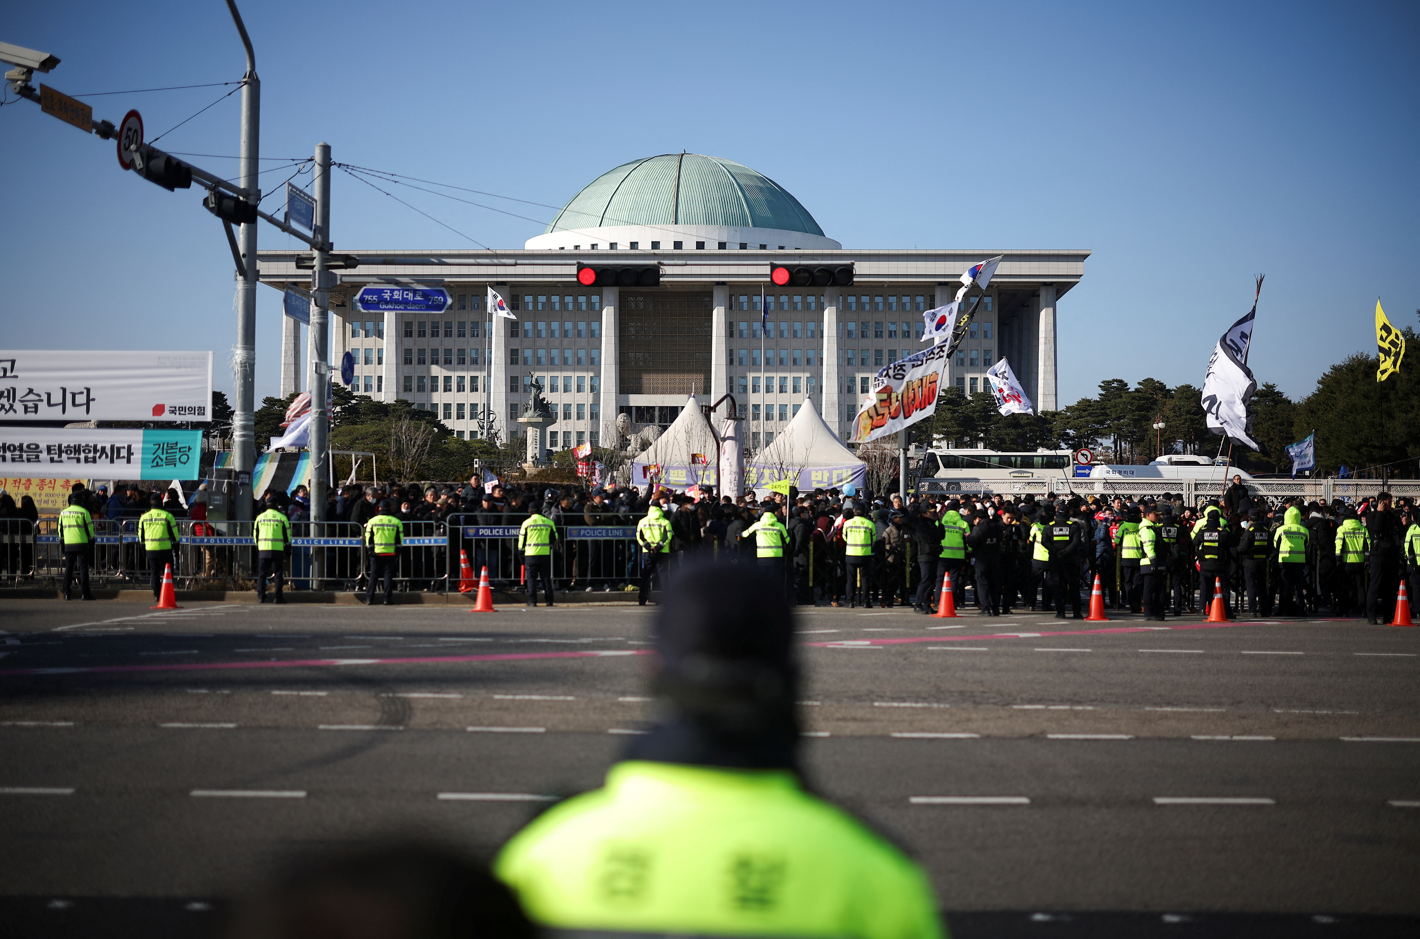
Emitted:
<point x="953" y="470"/>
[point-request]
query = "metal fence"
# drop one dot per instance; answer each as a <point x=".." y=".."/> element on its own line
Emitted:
<point x="1194" y="492"/>
<point x="323" y="556"/>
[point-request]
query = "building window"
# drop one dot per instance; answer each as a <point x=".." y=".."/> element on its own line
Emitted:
<point x="783" y="413"/>
<point x="448" y="383"/>
<point x="512" y="413"/>
<point x="783" y="325"/>
<point x="581" y="384"/>
<point x="473" y="383"/>
<point x="408" y="356"/>
<point x="754" y="385"/>
<point x="463" y="356"/>
<point x="581" y="412"/>
<point x="461" y="382"/>
<point x="656" y="245"/>
<point x="809" y="356"/>
<point x="985" y="356"/>
<point x="809" y="383"/>
<point x="975" y="358"/>
<point x="449" y="411"/>
<point x="409" y="383"/>
<point x="744" y="385"/>
<point x="596" y="387"/>
<point x="783" y="384"/>
<point x="421" y="324"/>
<point x="810" y="329"/>
<point x="449" y="357"/>
<point x="541" y="356"/>
<point x="379" y="383"/>
<point x="595" y="411"/>
<point x="448" y="329"/>
<point x="513" y="384"/>
<point x="961" y="358"/>
<point x="472" y="356"/>
<point x="892" y="330"/>
<point x="581" y="356"/>
<point x="864" y="385"/>
<point x="754" y="414"/>
<point x="744" y="245"/>
<point x="754" y="357"/>
<point x="850" y="358"/>
<point x="986" y="303"/>
<point x="595" y="326"/>
<point x="973" y="386"/>
<point x="422" y="382"/>
<point x="798" y="387"/>
<point x="420" y="354"/>
<point x="528" y="356"/>
<point x="783" y="358"/>
<point x="369" y="384"/>
<point x="878" y="358"/>
<point x="797" y="355"/>
<point x="986" y="330"/>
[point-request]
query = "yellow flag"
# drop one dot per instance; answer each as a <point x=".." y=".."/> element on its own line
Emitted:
<point x="782" y="486"/>
<point x="1391" y="345"/>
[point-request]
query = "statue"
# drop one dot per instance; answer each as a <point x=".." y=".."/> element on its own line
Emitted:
<point x="536" y="415"/>
<point x="631" y="442"/>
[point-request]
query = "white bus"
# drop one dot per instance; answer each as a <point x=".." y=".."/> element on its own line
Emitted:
<point x="990" y="470"/>
<point x="1171" y="466"/>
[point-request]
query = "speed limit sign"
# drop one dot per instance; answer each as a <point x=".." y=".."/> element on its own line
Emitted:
<point x="130" y="135"/>
<point x="1084" y="456"/>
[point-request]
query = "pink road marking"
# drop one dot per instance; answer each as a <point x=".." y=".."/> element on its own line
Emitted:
<point x="322" y="663"/>
<point x="1039" y="635"/>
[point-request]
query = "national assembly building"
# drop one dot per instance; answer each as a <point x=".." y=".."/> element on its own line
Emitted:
<point x="646" y="287"/>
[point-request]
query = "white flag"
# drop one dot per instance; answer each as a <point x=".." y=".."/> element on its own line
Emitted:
<point x="1303" y="454"/>
<point x="1229" y="384"/>
<point x="940" y="323"/>
<point x="980" y="274"/>
<point x="1010" y="396"/>
<point x="496" y="305"/>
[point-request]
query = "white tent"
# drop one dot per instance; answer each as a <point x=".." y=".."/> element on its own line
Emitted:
<point x="809" y="452"/>
<point x="687" y="453"/>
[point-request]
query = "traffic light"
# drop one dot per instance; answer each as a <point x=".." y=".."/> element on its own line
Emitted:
<point x="840" y="275"/>
<point x="158" y="167"/>
<point x="588" y="276"/>
<point x="229" y="208"/>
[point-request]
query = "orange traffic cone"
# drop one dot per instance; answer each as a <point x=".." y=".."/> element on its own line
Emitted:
<point x="167" y="599"/>
<point x="466" y="584"/>
<point x="1217" y="611"/>
<point x="947" y="604"/>
<point x="484" y="603"/>
<point x="1402" y="608"/>
<point x="1097" y="604"/>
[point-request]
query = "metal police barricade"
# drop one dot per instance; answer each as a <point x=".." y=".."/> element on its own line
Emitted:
<point x="214" y="555"/>
<point x="597" y="558"/>
<point x="105" y="555"/>
<point x="18" y="557"/>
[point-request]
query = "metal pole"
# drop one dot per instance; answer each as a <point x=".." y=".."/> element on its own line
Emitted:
<point x="319" y="378"/>
<point x="244" y="352"/>
<point x="902" y="467"/>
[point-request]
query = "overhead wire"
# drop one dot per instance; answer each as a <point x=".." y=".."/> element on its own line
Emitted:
<point x="139" y="91"/>
<point x="212" y="105"/>
<point x="416" y="209"/>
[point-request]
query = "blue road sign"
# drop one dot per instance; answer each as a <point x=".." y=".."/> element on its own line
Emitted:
<point x="297" y="306"/>
<point x="1082" y="472"/>
<point x="347" y="368"/>
<point x="300" y="208"/>
<point x="384" y="298"/>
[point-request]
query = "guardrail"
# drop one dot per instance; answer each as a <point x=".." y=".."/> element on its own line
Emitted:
<point x="1194" y="491"/>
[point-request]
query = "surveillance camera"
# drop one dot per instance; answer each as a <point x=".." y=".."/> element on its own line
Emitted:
<point x="27" y="58"/>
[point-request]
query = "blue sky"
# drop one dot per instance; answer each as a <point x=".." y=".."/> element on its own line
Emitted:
<point x="1189" y="146"/>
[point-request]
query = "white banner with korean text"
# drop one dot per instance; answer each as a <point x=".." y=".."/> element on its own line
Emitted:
<point x="904" y="393"/>
<point x="119" y="385"/>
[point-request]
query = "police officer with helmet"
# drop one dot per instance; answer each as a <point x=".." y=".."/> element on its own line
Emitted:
<point x="383" y="535"/>
<point x="273" y="540"/>
<point x="536" y="537"/>
<point x="653" y="534"/>
<point x="76" y="531"/>
<point x="706" y="826"/>
<point x="158" y="531"/>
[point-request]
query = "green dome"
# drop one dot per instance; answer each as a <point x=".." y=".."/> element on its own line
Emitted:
<point x="684" y="189"/>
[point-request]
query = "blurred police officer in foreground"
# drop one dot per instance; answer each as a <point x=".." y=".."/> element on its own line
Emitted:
<point x="383" y="535"/>
<point x="76" y="531"/>
<point x="273" y="540"/>
<point x="705" y="828"/>
<point x="158" y="531"/>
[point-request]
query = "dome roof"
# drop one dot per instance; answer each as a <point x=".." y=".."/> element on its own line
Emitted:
<point x="684" y="189"/>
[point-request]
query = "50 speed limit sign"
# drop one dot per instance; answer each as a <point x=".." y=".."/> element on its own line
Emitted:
<point x="1084" y="456"/>
<point x="130" y="135"/>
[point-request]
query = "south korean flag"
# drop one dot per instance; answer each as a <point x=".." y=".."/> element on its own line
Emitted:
<point x="496" y="305"/>
<point x="941" y="322"/>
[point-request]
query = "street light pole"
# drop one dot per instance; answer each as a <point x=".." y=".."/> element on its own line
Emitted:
<point x="319" y="378"/>
<point x="244" y="353"/>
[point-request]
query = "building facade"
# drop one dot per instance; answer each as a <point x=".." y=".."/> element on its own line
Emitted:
<point x="712" y="323"/>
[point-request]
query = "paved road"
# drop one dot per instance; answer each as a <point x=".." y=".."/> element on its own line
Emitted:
<point x="1036" y="766"/>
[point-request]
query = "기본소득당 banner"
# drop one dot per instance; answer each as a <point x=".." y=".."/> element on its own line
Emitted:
<point x="64" y="452"/>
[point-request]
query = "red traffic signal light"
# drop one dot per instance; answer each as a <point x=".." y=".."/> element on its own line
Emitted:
<point x="588" y="276"/>
<point x="837" y="276"/>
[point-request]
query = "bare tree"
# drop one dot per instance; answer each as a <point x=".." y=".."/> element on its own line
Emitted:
<point x="882" y="458"/>
<point x="411" y="442"/>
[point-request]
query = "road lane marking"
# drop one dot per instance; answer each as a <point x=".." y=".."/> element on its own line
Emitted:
<point x="933" y="735"/>
<point x="304" y="694"/>
<point x="908" y="704"/>
<point x="969" y="800"/>
<point x="1235" y="737"/>
<point x="358" y="727"/>
<point x="811" y="632"/>
<point x="1211" y="800"/>
<point x="507" y="730"/>
<point x="1405" y="804"/>
<point x="174" y="652"/>
<point x="957" y="649"/>
<point x="534" y="697"/>
<point x="626" y="731"/>
<point x="494" y="797"/>
<point x="330" y="648"/>
<point x="1054" y="707"/>
<point x="1309" y="711"/>
<point x="1381" y="739"/>
<point x="636" y="698"/>
<point x="1089" y="736"/>
<point x="36" y="723"/>
<point x="199" y="726"/>
<point x="1191" y="651"/>
<point x="273" y="649"/>
<point x="814" y="733"/>
<point x="953" y="626"/>
<point x="1407" y="655"/>
<point x="34" y="791"/>
<point x="248" y="793"/>
<point x="420" y="694"/>
<point x="1064" y="650"/>
<point x="1251" y="652"/>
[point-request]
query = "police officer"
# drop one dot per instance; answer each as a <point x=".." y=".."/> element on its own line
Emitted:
<point x="1412" y="554"/>
<point x="927" y="540"/>
<point x="273" y="540"/>
<point x="535" y="539"/>
<point x="1386" y="542"/>
<point x="1152" y="564"/>
<point x="1175" y="559"/>
<point x="1291" y="540"/>
<point x="76" y="532"/>
<point x="1255" y="552"/>
<point x="1353" y="545"/>
<point x="1068" y="541"/>
<point x="1212" y="544"/>
<point x="705" y="827"/>
<point x="384" y="533"/>
<point x="1126" y="547"/>
<point x="858" y="535"/>
<point x="158" y="531"/>
<point x="953" y="555"/>
<point x="984" y="540"/>
<point x="1040" y="558"/>
<point x="770" y="538"/>
<point x="653" y="534"/>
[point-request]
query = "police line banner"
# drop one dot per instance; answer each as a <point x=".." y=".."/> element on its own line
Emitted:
<point x="60" y="453"/>
<point x="78" y="385"/>
<point x="904" y="393"/>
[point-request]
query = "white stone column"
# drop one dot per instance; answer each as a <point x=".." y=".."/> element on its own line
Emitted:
<point x="392" y="359"/>
<point x="496" y="374"/>
<point x="719" y="344"/>
<point x="610" y="362"/>
<point x="1045" y="392"/>
<point x="832" y="399"/>
<point x="290" y="355"/>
